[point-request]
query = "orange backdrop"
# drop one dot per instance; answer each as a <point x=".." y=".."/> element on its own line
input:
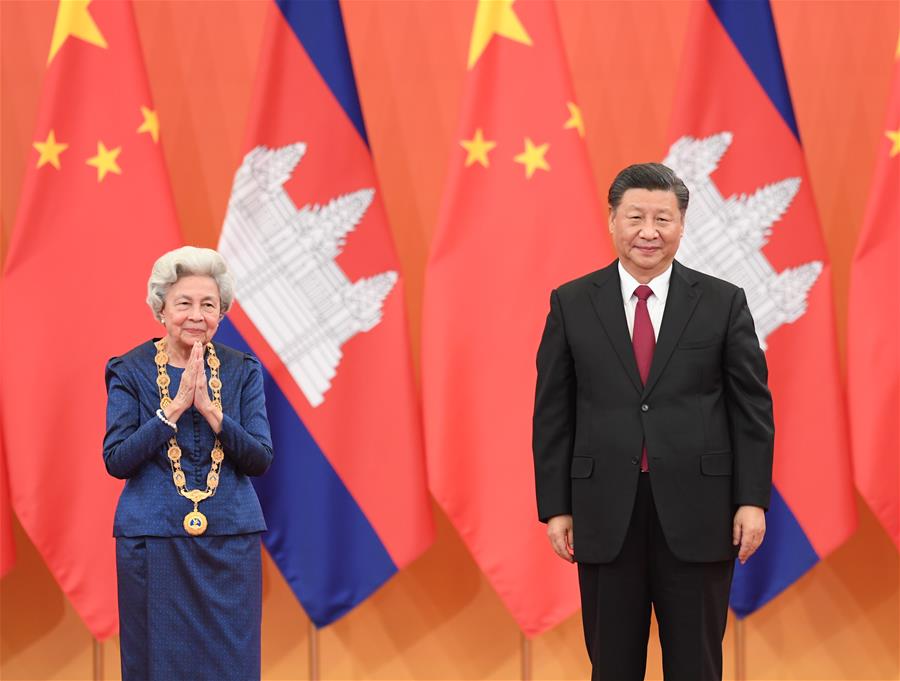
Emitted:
<point x="439" y="619"/>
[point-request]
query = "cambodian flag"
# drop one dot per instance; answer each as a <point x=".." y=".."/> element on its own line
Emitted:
<point x="752" y="221"/>
<point x="321" y="303"/>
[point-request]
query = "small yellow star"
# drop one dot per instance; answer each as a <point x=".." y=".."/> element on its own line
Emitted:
<point x="533" y="158"/>
<point x="894" y="136"/>
<point x="478" y="149"/>
<point x="575" y="119"/>
<point x="150" y="124"/>
<point x="50" y="151"/>
<point x="73" y="19"/>
<point x="494" y="17"/>
<point x="105" y="161"/>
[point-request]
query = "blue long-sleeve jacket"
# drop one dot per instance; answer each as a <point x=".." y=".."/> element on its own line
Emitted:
<point x="136" y="442"/>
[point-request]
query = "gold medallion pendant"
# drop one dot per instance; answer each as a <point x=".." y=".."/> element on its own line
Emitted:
<point x="195" y="523"/>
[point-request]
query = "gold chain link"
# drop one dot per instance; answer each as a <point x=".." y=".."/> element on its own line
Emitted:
<point x="174" y="453"/>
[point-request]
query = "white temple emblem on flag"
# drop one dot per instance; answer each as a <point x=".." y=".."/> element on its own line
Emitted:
<point x="283" y="259"/>
<point x="724" y="237"/>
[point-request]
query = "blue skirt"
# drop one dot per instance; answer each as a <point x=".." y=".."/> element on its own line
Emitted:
<point x="189" y="607"/>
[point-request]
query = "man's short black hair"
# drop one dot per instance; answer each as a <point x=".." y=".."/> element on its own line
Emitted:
<point x="652" y="176"/>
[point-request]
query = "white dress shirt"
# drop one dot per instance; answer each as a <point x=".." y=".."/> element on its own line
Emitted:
<point x="656" y="303"/>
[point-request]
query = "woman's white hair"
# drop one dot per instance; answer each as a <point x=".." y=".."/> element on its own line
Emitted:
<point x="184" y="262"/>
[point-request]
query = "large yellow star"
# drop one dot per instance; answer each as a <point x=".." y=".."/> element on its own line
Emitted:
<point x="894" y="136"/>
<point x="73" y="19"/>
<point x="478" y="149"/>
<point x="105" y="161"/>
<point x="150" y="124"/>
<point x="533" y="157"/>
<point x="575" y="119"/>
<point x="495" y="17"/>
<point x="50" y="151"/>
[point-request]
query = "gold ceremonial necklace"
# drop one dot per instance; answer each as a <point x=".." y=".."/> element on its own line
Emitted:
<point x="194" y="522"/>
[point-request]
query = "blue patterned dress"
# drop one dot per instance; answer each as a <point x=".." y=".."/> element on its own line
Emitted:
<point x="189" y="607"/>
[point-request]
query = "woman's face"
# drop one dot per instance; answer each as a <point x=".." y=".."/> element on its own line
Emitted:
<point x="192" y="310"/>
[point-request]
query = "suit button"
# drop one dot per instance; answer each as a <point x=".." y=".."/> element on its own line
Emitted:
<point x="645" y="407"/>
<point x="635" y="461"/>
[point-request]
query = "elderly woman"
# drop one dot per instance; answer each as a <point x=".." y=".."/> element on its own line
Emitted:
<point x="186" y="426"/>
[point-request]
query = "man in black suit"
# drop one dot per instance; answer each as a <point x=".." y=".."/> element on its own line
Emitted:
<point x="653" y="437"/>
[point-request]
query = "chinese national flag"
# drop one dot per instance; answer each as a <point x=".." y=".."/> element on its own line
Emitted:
<point x="95" y="213"/>
<point x="519" y="217"/>
<point x="873" y="335"/>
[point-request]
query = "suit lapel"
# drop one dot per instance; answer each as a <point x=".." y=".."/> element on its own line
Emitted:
<point x="606" y="296"/>
<point x="680" y="303"/>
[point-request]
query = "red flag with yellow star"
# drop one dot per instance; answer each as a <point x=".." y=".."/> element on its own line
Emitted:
<point x="873" y="334"/>
<point x="95" y="212"/>
<point x="520" y="216"/>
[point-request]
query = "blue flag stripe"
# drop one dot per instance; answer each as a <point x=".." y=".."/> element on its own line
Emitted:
<point x="328" y="552"/>
<point x="784" y="557"/>
<point x="750" y="26"/>
<point x="319" y="27"/>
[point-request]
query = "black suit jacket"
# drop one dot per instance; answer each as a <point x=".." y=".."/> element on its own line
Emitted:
<point x="705" y="414"/>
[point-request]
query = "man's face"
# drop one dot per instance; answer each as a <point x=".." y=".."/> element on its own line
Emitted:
<point x="646" y="229"/>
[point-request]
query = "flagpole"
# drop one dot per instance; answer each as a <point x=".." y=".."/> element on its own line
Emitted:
<point x="525" y="653"/>
<point x="740" y="673"/>
<point x="98" y="659"/>
<point x="313" y="651"/>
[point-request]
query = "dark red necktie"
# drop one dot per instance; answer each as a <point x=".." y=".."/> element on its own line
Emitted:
<point x="644" y="341"/>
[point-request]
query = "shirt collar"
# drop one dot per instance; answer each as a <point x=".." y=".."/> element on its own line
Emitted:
<point x="659" y="284"/>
